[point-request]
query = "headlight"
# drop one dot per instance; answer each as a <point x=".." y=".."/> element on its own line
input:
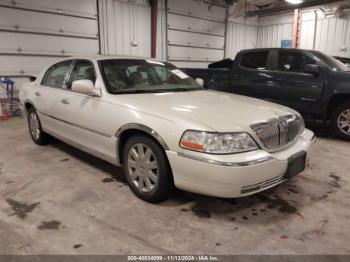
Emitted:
<point x="301" y="122"/>
<point x="217" y="143"/>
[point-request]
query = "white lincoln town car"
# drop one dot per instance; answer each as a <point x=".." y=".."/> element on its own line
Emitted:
<point x="164" y="128"/>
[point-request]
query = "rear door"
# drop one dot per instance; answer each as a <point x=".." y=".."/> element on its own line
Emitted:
<point x="251" y="75"/>
<point x="292" y="86"/>
<point x="83" y="118"/>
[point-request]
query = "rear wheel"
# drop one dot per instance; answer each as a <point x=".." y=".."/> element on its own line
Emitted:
<point x="38" y="135"/>
<point x="147" y="169"/>
<point x="340" y="121"/>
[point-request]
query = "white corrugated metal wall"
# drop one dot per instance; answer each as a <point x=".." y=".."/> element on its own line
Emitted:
<point x="331" y="35"/>
<point x="273" y="29"/>
<point x="126" y="28"/>
<point x="241" y="34"/>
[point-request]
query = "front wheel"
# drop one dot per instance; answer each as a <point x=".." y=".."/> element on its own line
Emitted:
<point x="36" y="132"/>
<point x="147" y="169"/>
<point x="340" y="121"/>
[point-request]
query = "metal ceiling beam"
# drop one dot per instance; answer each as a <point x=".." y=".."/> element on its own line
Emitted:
<point x="288" y="7"/>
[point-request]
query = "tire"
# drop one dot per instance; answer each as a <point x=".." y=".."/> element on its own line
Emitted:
<point x="340" y="121"/>
<point x="36" y="132"/>
<point x="147" y="169"/>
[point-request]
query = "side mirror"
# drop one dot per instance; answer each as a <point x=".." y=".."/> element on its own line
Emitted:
<point x="200" y="81"/>
<point x="312" y="69"/>
<point x="86" y="87"/>
<point x="32" y="78"/>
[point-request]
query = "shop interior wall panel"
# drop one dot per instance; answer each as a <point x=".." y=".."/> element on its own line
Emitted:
<point x="20" y="20"/>
<point x="23" y="65"/>
<point x="240" y="36"/>
<point x="197" y="54"/>
<point x="125" y="23"/>
<point x="197" y="9"/>
<point x="193" y="39"/>
<point x="34" y="32"/>
<point x="85" y="8"/>
<point x="43" y="44"/>
<point x="196" y="32"/>
<point x="192" y="24"/>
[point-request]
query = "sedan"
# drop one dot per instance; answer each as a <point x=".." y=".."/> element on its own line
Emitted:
<point x="164" y="128"/>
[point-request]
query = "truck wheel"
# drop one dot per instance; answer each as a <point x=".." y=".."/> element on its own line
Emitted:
<point x="340" y="121"/>
<point x="36" y="132"/>
<point x="147" y="169"/>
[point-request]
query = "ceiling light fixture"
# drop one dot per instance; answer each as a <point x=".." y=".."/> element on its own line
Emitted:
<point x="294" y="2"/>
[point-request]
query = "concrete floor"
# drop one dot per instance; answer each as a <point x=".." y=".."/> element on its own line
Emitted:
<point x="58" y="200"/>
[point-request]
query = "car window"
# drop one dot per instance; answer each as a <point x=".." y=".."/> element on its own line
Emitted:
<point x="83" y="69"/>
<point x="137" y="71"/>
<point x="330" y="61"/>
<point x="255" y="60"/>
<point x="292" y="62"/>
<point x="137" y="76"/>
<point x="56" y="74"/>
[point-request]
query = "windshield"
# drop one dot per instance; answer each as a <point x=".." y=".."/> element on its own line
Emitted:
<point x="141" y="76"/>
<point x="333" y="63"/>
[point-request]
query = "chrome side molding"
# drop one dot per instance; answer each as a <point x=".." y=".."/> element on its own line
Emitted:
<point x="144" y="128"/>
<point x="140" y="127"/>
<point x="230" y="164"/>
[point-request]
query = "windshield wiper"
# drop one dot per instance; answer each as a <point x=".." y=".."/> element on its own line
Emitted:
<point x="185" y="89"/>
<point x="134" y="91"/>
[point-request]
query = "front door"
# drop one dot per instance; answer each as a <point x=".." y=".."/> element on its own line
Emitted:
<point x="295" y="88"/>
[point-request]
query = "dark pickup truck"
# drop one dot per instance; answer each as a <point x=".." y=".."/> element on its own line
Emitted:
<point x="313" y="83"/>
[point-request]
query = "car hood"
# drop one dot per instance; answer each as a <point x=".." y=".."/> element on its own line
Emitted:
<point x="217" y="111"/>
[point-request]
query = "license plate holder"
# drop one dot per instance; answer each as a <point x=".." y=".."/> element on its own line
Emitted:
<point x="296" y="164"/>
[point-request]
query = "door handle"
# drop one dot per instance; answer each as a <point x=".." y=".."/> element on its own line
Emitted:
<point x="37" y="94"/>
<point x="276" y="78"/>
<point x="237" y="76"/>
<point x="65" y="101"/>
<point x="308" y="99"/>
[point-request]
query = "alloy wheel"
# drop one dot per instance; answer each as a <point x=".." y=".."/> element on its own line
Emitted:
<point x="34" y="125"/>
<point x="343" y="121"/>
<point x="143" y="167"/>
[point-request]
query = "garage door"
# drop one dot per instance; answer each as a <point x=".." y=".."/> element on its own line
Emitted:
<point x="36" y="32"/>
<point x="196" y="33"/>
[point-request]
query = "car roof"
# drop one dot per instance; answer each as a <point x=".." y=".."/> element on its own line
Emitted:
<point x="106" y="57"/>
<point x="275" y="49"/>
<point x="98" y="58"/>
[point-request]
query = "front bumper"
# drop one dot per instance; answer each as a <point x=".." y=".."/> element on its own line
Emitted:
<point x="234" y="175"/>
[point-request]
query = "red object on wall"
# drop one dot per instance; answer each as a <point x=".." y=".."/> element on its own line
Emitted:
<point x="5" y="115"/>
<point x="296" y="28"/>
<point x="154" y="14"/>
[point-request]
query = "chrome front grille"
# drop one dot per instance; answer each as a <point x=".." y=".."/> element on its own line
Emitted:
<point x="279" y="132"/>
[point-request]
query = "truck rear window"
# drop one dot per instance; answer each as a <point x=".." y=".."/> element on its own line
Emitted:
<point x="255" y="60"/>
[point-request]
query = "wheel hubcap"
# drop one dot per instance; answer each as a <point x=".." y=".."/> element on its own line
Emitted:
<point x="343" y="121"/>
<point x="34" y="125"/>
<point x="143" y="167"/>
